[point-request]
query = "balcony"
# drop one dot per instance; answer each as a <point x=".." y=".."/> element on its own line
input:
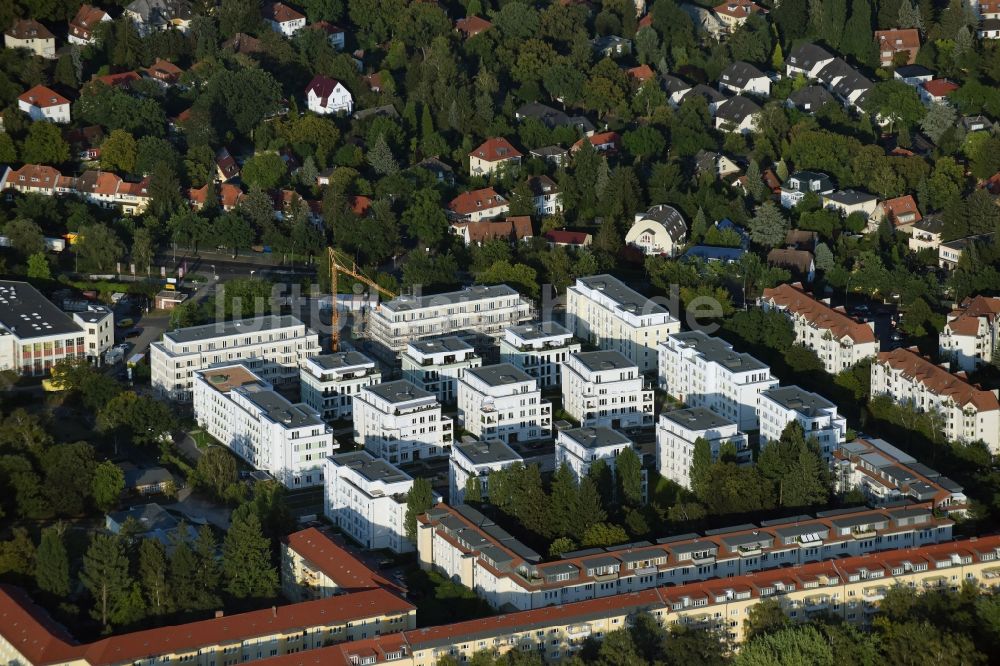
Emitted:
<point x="873" y="593"/>
<point x="860" y="533"/>
<point x="749" y="550"/>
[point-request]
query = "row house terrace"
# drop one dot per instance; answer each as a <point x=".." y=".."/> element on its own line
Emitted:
<point x="101" y="188"/>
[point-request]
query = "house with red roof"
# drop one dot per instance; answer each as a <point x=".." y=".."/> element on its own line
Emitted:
<point x="891" y="42"/>
<point x="226" y="167"/>
<point x="603" y="142"/>
<point x="564" y="238"/>
<point x="42" y="103"/>
<point x="283" y="19"/>
<point x="31" y="35"/>
<point x="971" y="335"/>
<point x="494" y="154"/>
<point x="733" y="14"/>
<point x="334" y="34"/>
<point x="477" y="205"/>
<point x="471" y="26"/>
<point x="902" y="213"/>
<point x="936" y="90"/>
<point x="163" y="72"/>
<point x="325" y="96"/>
<point x="83" y="26"/>
<point x="511" y="229"/>
<point x="641" y="74"/>
<point x="85" y="141"/>
<point x="229" y="196"/>
<point x="121" y="80"/>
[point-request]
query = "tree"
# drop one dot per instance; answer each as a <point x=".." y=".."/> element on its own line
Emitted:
<point x="603" y="534"/>
<point x="520" y="276"/>
<point x="140" y="418"/>
<point x="108" y="484"/>
<point x="858" y="39"/>
<point x="768" y="227"/>
<point x="38" y="267"/>
<point x="628" y="472"/>
<point x="143" y="252"/>
<point x="644" y="142"/>
<point x="17" y="555"/>
<point x="563" y="501"/>
<point x="98" y="248"/>
<point x="233" y="232"/>
<point x="380" y="157"/>
<point x="940" y="118"/>
<point x="152" y="572"/>
<point x="246" y="558"/>
<point x="909" y="16"/>
<point x="52" y="563"/>
<point x="791" y="645"/>
<point x="264" y="170"/>
<point x="208" y="570"/>
<point x="824" y="257"/>
<point x="896" y="102"/>
<point x="473" y="490"/>
<point x="44" y="145"/>
<point x="418" y="501"/>
<point x="216" y="470"/>
<point x="105" y="575"/>
<point x="424" y="219"/>
<point x="238" y="16"/>
<point x="8" y="151"/>
<point x="118" y="152"/>
<point x="69" y="471"/>
<point x="25" y="237"/>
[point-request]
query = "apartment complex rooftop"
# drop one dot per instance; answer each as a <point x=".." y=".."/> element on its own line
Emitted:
<point x="539" y="330"/>
<point x="486" y="452"/>
<point x="886" y="465"/>
<point x="473" y="293"/>
<point x="697" y="418"/>
<point x="799" y="400"/>
<point x="791" y="297"/>
<point x="500" y="374"/>
<point x="225" y="378"/>
<point x="937" y="380"/>
<point x="448" y="343"/>
<point x="398" y="391"/>
<point x="341" y="360"/>
<point x="371" y="468"/>
<point x="25" y="313"/>
<point x="221" y="329"/>
<point x="597" y="361"/>
<point x="277" y="408"/>
<point x="326" y="555"/>
<point x="717" y="350"/>
<point x="623" y="296"/>
<point x="596" y="438"/>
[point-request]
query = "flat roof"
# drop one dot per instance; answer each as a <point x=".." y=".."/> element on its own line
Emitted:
<point x="717" y="350"/>
<point x="486" y="452"/>
<point x="277" y="408"/>
<point x="94" y="313"/>
<point x="235" y="327"/>
<point x="27" y="314"/>
<point x="592" y="438"/>
<point x="798" y="399"/>
<point x="227" y="377"/>
<point x="627" y="298"/>
<point x="372" y="468"/>
<point x="447" y="343"/>
<point x="338" y="360"/>
<point x="475" y="292"/>
<point x="604" y="360"/>
<point x="398" y="391"/>
<point x="501" y="374"/>
<point x="697" y="418"/>
<point x="537" y="330"/>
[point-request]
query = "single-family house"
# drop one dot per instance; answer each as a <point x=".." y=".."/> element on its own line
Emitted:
<point x="243" y="43"/>
<point x="661" y="230"/>
<point x="226" y="167"/>
<point x="603" y="142"/>
<point x="494" y="154"/>
<point x="799" y="262"/>
<point x="511" y="229"/>
<point x="913" y="75"/>
<point x="640" y="74"/>
<point x="325" y="96"/>
<point x="334" y="34"/>
<point x="926" y="234"/>
<point x="951" y="252"/>
<point x="164" y="73"/>
<point x="123" y="80"/>
<point x="712" y="97"/>
<point x="546" y="195"/>
<point x="989" y="28"/>
<point x="85" y="142"/>
<point x="717" y="164"/>
<point x="734" y="13"/>
<point x="283" y="19"/>
<point x="572" y="239"/>
<point x="42" y="103"/>
<point x="848" y="202"/>
<point x="553" y="118"/>
<point x="675" y="88"/>
<point x="470" y="26"/>
<point x="739" y="114"/>
<point x="83" y="26"/>
<point x="31" y="35"/>
<point x="553" y="154"/>
<point x="443" y="173"/>
<point x="742" y="78"/>
<point x="807" y="60"/>
<point x="801" y="239"/>
<point x="611" y="46"/>
<point x="892" y="42"/>
<point x="936" y="90"/>
<point x="151" y="15"/>
<point x="801" y="182"/>
<point x="977" y="123"/>
<point x="809" y="99"/>
<point x="901" y="212"/>
<point x="478" y="205"/>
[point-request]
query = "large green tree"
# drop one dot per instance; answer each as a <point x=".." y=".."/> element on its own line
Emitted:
<point x="105" y="574"/>
<point x="246" y="558"/>
<point x="52" y="563"/>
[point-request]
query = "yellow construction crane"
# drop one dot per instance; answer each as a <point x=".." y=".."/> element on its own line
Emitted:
<point x="341" y="263"/>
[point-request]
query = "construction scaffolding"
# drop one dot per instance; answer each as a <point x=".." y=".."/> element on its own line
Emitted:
<point x="341" y="263"/>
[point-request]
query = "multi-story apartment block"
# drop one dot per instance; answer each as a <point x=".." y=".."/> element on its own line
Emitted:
<point x="676" y="434"/>
<point x="366" y="498"/>
<point x="503" y="402"/>
<point x="969" y="338"/>
<point x="604" y="388"/>
<point x="475" y="460"/>
<point x="963" y="412"/>
<point x="601" y="310"/>
<point x="478" y="313"/>
<point x="703" y="371"/>
<point x="460" y="542"/>
<point x="838" y="340"/>
<point x="314" y="566"/>
<point x="35" y="334"/>
<point x="400" y="422"/>
<point x="885" y="475"/>
<point x="436" y="365"/>
<point x="580" y="448"/>
<point x="271" y="346"/>
<point x="818" y="417"/>
<point x="242" y="411"/>
<point x="329" y="382"/>
<point x="539" y="349"/>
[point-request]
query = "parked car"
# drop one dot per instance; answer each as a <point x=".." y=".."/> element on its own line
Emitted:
<point x="134" y="332"/>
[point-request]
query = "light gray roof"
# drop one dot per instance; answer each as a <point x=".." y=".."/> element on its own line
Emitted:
<point x="719" y="351"/>
<point x="277" y="408"/>
<point x="370" y="467"/>
<point x="536" y="330"/>
<point x="344" y="359"/>
<point x="398" y="391"/>
<point x="626" y="297"/>
<point x="594" y="438"/>
<point x="447" y="343"/>
<point x="596" y="361"/>
<point x="673" y="84"/>
<point x="798" y="399"/>
<point x="500" y="374"/>
<point x="549" y="151"/>
<point x="670" y="218"/>
<point x="473" y="293"/>
<point x="235" y="327"/>
<point x="697" y="418"/>
<point x="484" y="453"/>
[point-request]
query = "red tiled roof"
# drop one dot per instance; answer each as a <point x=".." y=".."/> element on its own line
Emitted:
<point x="229" y="195"/>
<point x="800" y="261"/>
<point x="511" y="229"/>
<point x="599" y="139"/>
<point x="900" y="206"/>
<point x="646" y="21"/>
<point x="496" y="149"/>
<point x="43" y="97"/>
<point x="119" y="80"/>
<point x="225" y="162"/>
<point x="642" y="73"/>
<point x="938" y="380"/>
<point x="821" y="315"/>
<point x="965" y="319"/>
<point x="87" y="18"/>
<point x="471" y="26"/>
<point x="898" y="40"/>
<point x="563" y="237"/>
<point x="939" y="87"/>
<point x="162" y="69"/>
<point x="340" y="566"/>
<point x="35" y="175"/>
<point x="279" y="12"/>
<point x="29" y="29"/>
<point x="327" y="27"/>
<point x="360" y="205"/>
<point x="476" y="200"/>
<point x="739" y="8"/>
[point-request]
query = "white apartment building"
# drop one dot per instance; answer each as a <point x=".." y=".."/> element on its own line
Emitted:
<point x="604" y="388"/>
<point x="35" y="334"/>
<point x="400" y="422"/>
<point x="475" y="460"/>
<point x="580" y="448"/>
<point x="329" y="382"/>
<point x="969" y="338"/>
<point x="676" y="434"/>
<point x="366" y="498"/>
<point x="538" y="348"/>
<point x="436" y="365"/>
<point x="272" y="346"/>
<point x="703" y="371"/>
<point x="480" y="313"/>
<point x="965" y="413"/>
<point x="838" y="340"/>
<point x="246" y="414"/>
<point x="818" y="417"/>
<point x="603" y="311"/>
<point x="503" y="402"/>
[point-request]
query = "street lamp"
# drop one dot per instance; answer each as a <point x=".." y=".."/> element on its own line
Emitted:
<point x="214" y="276"/>
<point x="251" y="274"/>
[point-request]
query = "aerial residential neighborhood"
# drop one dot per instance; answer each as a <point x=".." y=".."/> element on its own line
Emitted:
<point x="499" y="332"/>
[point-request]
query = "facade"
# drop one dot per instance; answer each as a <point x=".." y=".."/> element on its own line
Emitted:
<point x="807" y="60"/>
<point x="838" y="340"/>
<point x="539" y="349"/>
<point x="482" y="204"/>
<point x="661" y="230"/>
<point x="818" y="417"/>
<point x="366" y="498"/>
<point x="42" y="103"/>
<point x="799" y="183"/>
<point x="242" y="411"/>
<point x="848" y="202"/>
<point x="545" y="195"/>
<point x="580" y="448"/>
<point x="963" y="412"/>
<point x="271" y="346"/>
<point x="893" y="42"/>
<point x="603" y="311"/>
<point x="83" y="26"/>
<point x="743" y="78"/>
<point x="926" y="235"/>
<point x="400" y="422"/>
<point x="604" y="388"/>
<point x="35" y="334"/>
<point x="478" y="312"/>
<point x="31" y="35"/>
<point x="676" y="434"/>
<point x="329" y="382"/>
<point x="325" y="96"/>
<point x="101" y="188"/>
<point x="734" y="13"/>
<point x="283" y="19"/>
<point x="315" y="566"/>
<point x="512" y="230"/>
<point x="969" y="338"/>
<point x="702" y="371"/>
<point x="475" y="460"/>
<point x="738" y="114"/>
<point x="494" y="154"/>
<point x="503" y="402"/>
<point x="901" y="212"/>
<point x="437" y="364"/>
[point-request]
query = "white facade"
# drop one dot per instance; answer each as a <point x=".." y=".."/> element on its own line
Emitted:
<point x="243" y="412"/>
<point x="46" y="110"/>
<point x="476" y="459"/>
<point x="539" y="349"/>
<point x="580" y="448"/>
<point x="325" y="96"/>
<point x="401" y="422"/>
<point x="329" y="382"/>
<point x="677" y="432"/>
<point x="604" y="388"/>
<point x="503" y="402"/>
<point x="703" y="371"/>
<point x="661" y="230"/>
<point x="436" y="365"/>
<point x="817" y="416"/>
<point x="271" y="346"/>
<point x="969" y="338"/>
<point x="366" y="498"/>
<point x="603" y="311"/>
